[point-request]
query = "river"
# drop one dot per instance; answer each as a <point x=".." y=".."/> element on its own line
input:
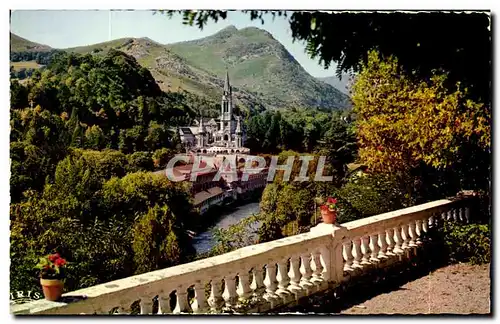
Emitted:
<point x="204" y="241"/>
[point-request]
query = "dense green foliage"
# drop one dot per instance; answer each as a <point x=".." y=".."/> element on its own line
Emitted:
<point x="465" y="243"/>
<point x="300" y="130"/>
<point x="88" y="102"/>
<point x="80" y="181"/>
<point x="40" y="57"/>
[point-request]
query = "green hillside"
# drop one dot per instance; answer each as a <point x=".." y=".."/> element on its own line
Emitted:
<point x="262" y="72"/>
<point x="171" y="71"/>
<point x="19" y="44"/>
<point x="260" y="64"/>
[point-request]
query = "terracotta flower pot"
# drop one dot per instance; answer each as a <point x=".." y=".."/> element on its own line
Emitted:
<point x="329" y="217"/>
<point x="52" y="288"/>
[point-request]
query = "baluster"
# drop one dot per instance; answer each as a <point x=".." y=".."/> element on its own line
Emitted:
<point x="323" y="253"/>
<point x="229" y="293"/>
<point x="455" y="214"/>
<point x="412" y="234"/>
<point x="244" y="292"/>
<point x="398" y="241"/>
<point x="425" y="226"/>
<point x="182" y="305"/>
<point x="294" y="275"/>
<point x="374" y="247"/>
<point x="405" y="237"/>
<point x="467" y="215"/>
<point x="461" y="215"/>
<point x="317" y="268"/>
<point x="271" y="284"/>
<point x="164" y="304"/>
<point x="382" y="241"/>
<point x="419" y="232"/>
<point x="357" y="252"/>
<point x="425" y="230"/>
<point x="348" y="257"/>
<point x="257" y="284"/>
<point x="146" y="305"/>
<point x="365" y="241"/>
<point x="430" y="221"/>
<point x="437" y="221"/>
<point x="200" y="304"/>
<point x="215" y="300"/>
<point x="282" y="277"/>
<point x="306" y="272"/>
<point x="390" y="242"/>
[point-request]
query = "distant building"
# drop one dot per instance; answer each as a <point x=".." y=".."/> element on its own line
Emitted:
<point x="208" y="190"/>
<point x="223" y="135"/>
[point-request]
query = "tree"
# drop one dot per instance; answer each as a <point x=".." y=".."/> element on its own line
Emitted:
<point x="155" y="243"/>
<point x="339" y="146"/>
<point x="140" y="161"/>
<point x="18" y="95"/>
<point x="94" y="138"/>
<point x="405" y="125"/>
<point x="162" y="156"/>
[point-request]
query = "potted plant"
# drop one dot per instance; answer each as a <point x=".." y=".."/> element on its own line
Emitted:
<point x="329" y="211"/>
<point x="51" y="275"/>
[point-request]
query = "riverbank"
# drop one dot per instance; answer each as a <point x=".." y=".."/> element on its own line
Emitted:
<point x="216" y="213"/>
<point x="205" y="241"/>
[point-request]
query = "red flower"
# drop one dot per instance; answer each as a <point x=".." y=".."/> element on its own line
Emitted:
<point x="54" y="257"/>
<point x="331" y="200"/>
<point x="60" y="262"/>
<point x="324" y="207"/>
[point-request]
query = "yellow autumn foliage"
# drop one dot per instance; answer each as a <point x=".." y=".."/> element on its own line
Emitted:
<point x="403" y="122"/>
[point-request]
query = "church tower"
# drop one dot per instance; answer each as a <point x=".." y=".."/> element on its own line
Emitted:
<point x="201" y="134"/>
<point x="238" y="137"/>
<point x="226" y="117"/>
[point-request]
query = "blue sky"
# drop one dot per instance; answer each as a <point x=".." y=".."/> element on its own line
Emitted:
<point x="70" y="28"/>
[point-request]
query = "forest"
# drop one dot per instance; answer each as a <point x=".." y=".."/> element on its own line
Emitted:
<point x="85" y="134"/>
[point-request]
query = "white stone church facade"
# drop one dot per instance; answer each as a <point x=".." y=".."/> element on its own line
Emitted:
<point x="224" y="135"/>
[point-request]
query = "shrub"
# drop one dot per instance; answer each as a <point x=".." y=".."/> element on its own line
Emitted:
<point x="140" y="161"/>
<point x="161" y="157"/>
<point x="467" y="243"/>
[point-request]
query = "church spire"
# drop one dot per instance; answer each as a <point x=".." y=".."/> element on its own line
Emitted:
<point x="227" y="86"/>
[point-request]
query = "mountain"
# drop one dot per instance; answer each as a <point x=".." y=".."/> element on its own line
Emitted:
<point x="340" y="84"/>
<point x="260" y="64"/>
<point x="262" y="72"/>
<point x="19" y="44"/>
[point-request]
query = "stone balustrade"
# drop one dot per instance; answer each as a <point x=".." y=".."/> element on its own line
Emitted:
<point x="265" y="276"/>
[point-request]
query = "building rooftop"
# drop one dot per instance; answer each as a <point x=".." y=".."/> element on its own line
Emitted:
<point x="206" y="194"/>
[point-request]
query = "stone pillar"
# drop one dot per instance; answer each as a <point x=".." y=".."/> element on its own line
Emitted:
<point x="335" y="268"/>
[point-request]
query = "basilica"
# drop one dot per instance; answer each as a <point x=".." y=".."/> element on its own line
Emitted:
<point x="222" y="135"/>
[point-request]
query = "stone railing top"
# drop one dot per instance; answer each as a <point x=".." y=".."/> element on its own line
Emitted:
<point x="397" y="213"/>
<point x="185" y="274"/>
